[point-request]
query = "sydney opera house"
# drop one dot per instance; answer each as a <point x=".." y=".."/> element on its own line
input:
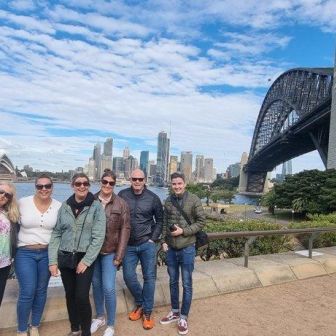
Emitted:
<point x="7" y="170"/>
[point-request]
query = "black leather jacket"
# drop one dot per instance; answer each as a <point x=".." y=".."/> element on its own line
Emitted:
<point x="146" y="215"/>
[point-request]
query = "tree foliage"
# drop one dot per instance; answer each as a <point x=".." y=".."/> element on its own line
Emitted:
<point x="310" y="191"/>
<point x="228" y="184"/>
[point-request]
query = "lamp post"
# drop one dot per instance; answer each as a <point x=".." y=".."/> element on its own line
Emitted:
<point x="245" y="212"/>
<point x="275" y="207"/>
<point x="293" y="215"/>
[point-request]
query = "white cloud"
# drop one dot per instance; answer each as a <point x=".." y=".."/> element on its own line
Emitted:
<point x="132" y="69"/>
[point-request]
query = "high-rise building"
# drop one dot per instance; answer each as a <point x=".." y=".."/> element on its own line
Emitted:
<point x="233" y="170"/>
<point x="118" y="166"/>
<point x="162" y="159"/>
<point x="106" y="158"/>
<point x="131" y="163"/>
<point x="152" y="168"/>
<point x="91" y="170"/>
<point x="108" y="147"/>
<point x="208" y="170"/>
<point x="126" y="153"/>
<point x="173" y="164"/>
<point x="199" y="169"/>
<point x="186" y="165"/>
<point x="97" y="159"/>
<point x="144" y="157"/>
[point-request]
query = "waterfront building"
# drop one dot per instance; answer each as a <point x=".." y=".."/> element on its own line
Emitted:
<point x="162" y="159"/>
<point x="97" y="158"/>
<point x="91" y="169"/>
<point x="118" y="166"/>
<point x="7" y="170"/>
<point x="233" y="170"/>
<point x="173" y="164"/>
<point x="199" y="168"/>
<point x="106" y="163"/>
<point x="108" y="147"/>
<point x="152" y="168"/>
<point x="208" y="170"/>
<point x="144" y="157"/>
<point x="186" y="165"/>
<point x="126" y="153"/>
<point x="131" y="163"/>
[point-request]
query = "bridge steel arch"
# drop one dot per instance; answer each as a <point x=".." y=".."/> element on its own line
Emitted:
<point x="293" y="120"/>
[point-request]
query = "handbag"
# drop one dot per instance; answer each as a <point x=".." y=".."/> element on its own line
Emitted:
<point x="202" y="238"/>
<point x="67" y="259"/>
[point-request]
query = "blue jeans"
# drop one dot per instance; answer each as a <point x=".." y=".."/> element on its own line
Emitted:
<point x="103" y="285"/>
<point x="184" y="259"/>
<point x="32" y="272"/>
<point x="146" y="253"/>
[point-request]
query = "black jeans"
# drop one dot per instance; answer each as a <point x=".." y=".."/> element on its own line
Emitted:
<point x="77" y="288"/>
<point x="4" y="272"/>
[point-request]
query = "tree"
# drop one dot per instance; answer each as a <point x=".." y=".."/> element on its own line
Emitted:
<point x="310" y="191"/>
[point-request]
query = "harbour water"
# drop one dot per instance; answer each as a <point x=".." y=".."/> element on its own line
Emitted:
<point x="63" y="190"/>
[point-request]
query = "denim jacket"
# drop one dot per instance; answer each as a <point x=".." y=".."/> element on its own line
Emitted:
<point x="67" y="235"/>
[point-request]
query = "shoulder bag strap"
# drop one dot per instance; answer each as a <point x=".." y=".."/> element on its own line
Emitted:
<point x="179" y="208"/>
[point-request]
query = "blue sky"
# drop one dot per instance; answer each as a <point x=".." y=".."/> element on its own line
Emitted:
<point x="75" y="72"/>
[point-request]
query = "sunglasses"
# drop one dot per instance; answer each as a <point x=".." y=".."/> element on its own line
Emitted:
<point x="105" y="182"/>
<point x="140" y="179"/>
<point x="45" y="186"/>
<point x="6" y="194"/>
<point x="78" y="184"/>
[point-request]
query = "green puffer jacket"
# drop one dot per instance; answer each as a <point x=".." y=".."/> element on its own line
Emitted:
<point x="192" y="206"/>
<point x="67" y="231"/>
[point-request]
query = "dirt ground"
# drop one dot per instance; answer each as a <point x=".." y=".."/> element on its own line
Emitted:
<point x="304" y="307"/>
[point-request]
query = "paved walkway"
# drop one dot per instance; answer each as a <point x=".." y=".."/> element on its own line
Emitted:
<point x="302" y="307"/>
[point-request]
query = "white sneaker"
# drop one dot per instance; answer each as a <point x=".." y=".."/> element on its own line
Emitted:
<point x="109" y="331"/>
<point x="96" y="324"/>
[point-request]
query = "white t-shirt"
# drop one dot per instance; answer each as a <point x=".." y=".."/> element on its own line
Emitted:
<point x="36" y="227"/>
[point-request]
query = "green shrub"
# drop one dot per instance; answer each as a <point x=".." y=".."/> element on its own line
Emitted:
<point x="317" y="221"/>
<point x="234" y="247"/>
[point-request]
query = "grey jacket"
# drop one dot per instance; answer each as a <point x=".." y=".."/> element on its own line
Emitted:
<point x="67" y="232"/>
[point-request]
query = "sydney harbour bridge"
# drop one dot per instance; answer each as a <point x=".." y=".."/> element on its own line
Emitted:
<point x="294" y="119"/>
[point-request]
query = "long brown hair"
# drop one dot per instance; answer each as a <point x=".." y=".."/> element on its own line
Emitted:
<point x="11" y="207"/>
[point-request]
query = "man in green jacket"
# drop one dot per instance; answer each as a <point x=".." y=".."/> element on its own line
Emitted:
<point x="179" y="243"/>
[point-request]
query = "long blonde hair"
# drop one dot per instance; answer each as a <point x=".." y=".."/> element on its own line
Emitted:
<point x="11" y="207"/>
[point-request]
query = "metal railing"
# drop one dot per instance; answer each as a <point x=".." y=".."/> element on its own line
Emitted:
<point x="253" y="235"/>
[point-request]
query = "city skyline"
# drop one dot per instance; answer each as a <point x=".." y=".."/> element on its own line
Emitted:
<point x="75" y="73"/>
<point x="194" y="170"/>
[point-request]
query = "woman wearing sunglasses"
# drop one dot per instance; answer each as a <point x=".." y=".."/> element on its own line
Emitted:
<point x="111" y="255"/>
<point x="38" y="218"/>
<point x="9" y="216"/>
<point x="74" y="245"/>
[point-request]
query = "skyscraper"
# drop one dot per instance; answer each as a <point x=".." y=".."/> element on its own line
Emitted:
<point x="108" y="147"/>
<point x="106" y="158"/>
<point x="131" y="163"/>
<point x="126" y="153"/>
<point x="118" y="166"/>
<point x="199" y="169"/>
<point x="162" y="159"/>
<point x="186" y="165"/>
<point x="97" y="159"/>
<point x="173" y="164"/>
<point x="208" y="170"/>
<point x="144" y="157"/>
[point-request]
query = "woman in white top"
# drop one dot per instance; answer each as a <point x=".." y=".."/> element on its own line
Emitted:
<point x="38" y="218"/>
<point x="9" y="216"/>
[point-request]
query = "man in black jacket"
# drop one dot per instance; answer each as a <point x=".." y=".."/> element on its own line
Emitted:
<point x="146" y="227"/>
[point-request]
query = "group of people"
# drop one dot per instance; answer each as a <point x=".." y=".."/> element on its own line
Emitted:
<point x="87" y="238"/>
